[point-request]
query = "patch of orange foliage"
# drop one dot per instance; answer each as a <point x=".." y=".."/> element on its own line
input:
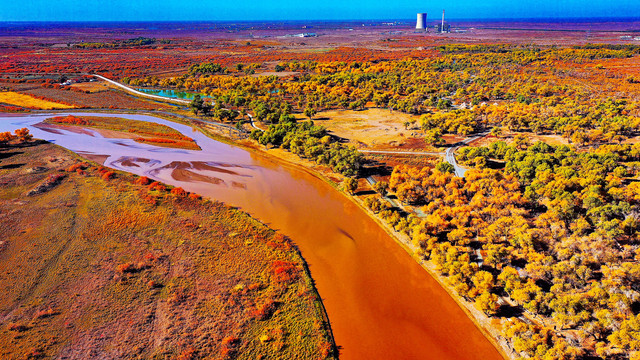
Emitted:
<point x="70" y="119"/>
<point x="284" y="271"/>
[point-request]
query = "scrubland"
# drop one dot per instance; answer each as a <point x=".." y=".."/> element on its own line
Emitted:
<point x="96" y="263"/>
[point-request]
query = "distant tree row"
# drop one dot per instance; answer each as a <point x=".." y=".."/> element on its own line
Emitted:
<point x="520" y="88"/>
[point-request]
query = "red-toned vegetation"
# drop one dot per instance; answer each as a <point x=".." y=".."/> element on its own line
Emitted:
<point x="142" y="180"/>
<point x="174" y="135"/>
<point x="279" y="241"/>
<point x="229" y="346"/>
<point x="187" y="354"/>
<point x="6" y="136"/>
<point x="10" y="108"/>
<point x="264" y="310"/>
<point x="126" y="268"/>
<point x="179" y="192"/>
<point x="34" y="353"/>
<point x="23" y="134"/>
<point x="42" y="314"/>
<point x="156" y="140"/>
<point x="132" y="268"/>
<point x="156" y="186"/>
<point x="151" y="257"/>
<point x="49" y="183"/>
<point x="284" y="271"/>
<point x="78" y="166"/>
<point x="19" y="135"/>
<point x="106" y="173"/>
<point x="17" y="327"/>
<point x="70" y="119"/>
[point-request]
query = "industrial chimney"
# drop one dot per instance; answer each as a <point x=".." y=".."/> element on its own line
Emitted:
<point x="422" y="21"/>
<point x="442" y="26"/>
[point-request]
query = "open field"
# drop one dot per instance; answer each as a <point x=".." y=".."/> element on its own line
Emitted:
<point x="230" y="43"/>
<point x="372" y="128"/>
<point x="87" y="270"/>
<point x="97" y="98"/>
<point x="92" y="87"/>
<point x="17" y="99"/>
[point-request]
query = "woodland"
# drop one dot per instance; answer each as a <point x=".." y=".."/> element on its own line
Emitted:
<point x="542" y="237"/>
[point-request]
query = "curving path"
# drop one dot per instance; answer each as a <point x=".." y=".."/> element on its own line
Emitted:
<point x="450" y="154"/>
<point x="139" y="93"/>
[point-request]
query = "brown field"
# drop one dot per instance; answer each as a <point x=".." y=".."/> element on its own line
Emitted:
<point x="99" y="99"/>
<point x="17" y="99"/>
<point x="92" y="87"/>
<point x="87" y="272"/>
<point x="372" y="128"/>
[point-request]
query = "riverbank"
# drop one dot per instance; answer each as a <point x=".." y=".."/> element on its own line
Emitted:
<point x="139" y="131"/>
<point x="336" y="237"/>
<point x="485" y="324"/>
<point x="432" y="326"/>
<point x="481" y="320"/>
<point x="178" y="286"/>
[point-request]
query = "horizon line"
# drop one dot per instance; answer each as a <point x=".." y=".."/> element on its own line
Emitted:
<point x="576" y="18"/>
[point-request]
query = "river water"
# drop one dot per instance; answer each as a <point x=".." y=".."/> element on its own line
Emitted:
<point x="381" y="303"/>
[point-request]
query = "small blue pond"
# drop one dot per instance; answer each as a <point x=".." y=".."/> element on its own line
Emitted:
<point x="171" y="93"/>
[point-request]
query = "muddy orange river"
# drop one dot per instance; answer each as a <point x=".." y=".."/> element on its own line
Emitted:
<point x="380" y="302"/>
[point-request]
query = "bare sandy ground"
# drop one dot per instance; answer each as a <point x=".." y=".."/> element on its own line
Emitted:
<point x="372" y="128"/>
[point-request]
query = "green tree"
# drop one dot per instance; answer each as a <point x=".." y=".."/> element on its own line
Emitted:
<point x="445" y="167"/>
<point x="196" y="104"/>
<point x="381" y="187"/>
<point x="309" y="112"/>
<point x="433" y="137"/>
<point x="350" y="185"/>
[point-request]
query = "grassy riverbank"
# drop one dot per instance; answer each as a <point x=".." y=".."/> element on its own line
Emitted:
<point x="101" y="262"/>
<point x="139" y="131"/>
<point x="491" y="329"/>
<point x="325" y="174"/>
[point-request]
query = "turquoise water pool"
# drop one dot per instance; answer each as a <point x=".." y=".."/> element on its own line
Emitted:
<point x="171" y="93"/>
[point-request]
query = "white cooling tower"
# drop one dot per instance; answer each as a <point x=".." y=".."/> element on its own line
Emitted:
<point x="421" y="21"/>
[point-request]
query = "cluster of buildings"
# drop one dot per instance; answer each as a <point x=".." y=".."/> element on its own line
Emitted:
<point x="67" y="82"/>
<point x="440" y="27"/>
<point x="303" y="35"/>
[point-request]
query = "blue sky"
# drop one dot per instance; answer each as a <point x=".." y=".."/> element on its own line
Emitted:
<point x="164" y="10"/>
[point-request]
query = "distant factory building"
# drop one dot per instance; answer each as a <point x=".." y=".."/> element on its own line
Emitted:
<point x="303" y="35"/>
<point x="443" y="27"/>
<point x="421" y="22"/>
